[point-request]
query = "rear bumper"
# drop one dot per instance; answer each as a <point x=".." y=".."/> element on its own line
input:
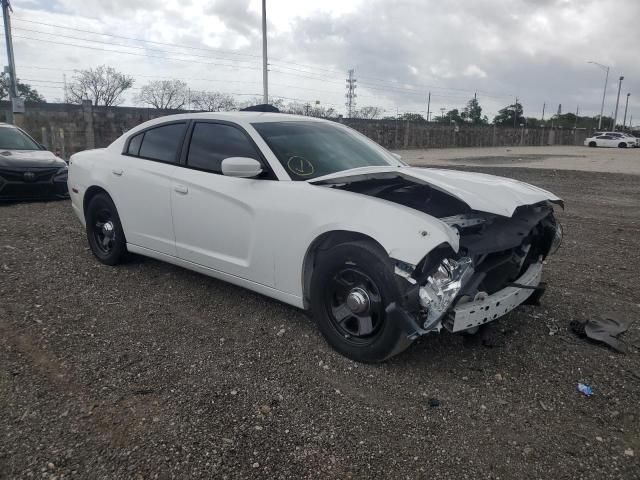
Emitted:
<point x="481" y="311"/>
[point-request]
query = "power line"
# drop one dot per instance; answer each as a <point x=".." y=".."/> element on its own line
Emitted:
<point x="375" y="79"/>
<point x="229" y="52"/>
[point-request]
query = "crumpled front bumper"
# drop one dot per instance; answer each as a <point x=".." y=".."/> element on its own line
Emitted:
<point x="484" y="310"/>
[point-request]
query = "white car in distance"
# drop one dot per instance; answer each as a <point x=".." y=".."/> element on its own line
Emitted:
<point x="314" y="214"/>
<point x="612" y="140"/>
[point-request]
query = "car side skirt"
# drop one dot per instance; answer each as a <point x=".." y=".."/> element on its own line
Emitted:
<point x="210" y="272"/>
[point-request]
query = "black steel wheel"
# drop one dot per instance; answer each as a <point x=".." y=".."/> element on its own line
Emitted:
<point x="351" y="285"/>
<point x="354" y="305"/>
<point x="104" y="230"/>
<point x="593" y="144"/>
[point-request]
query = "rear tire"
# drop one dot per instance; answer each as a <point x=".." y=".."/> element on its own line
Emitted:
<point x="351" y="285"/>
<point x="622" y="145"/>
<point x="593" y="144"/>
<point x="104" y="230"/>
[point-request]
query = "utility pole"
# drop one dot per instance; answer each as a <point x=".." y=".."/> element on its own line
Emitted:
<point x="615" y="115"/>
<point x="515" y="113"/>
<point x="577" y="113"/>
<point x="604" y="92"/>
<point x="624" y="123"/>
<point x="265" y="73"/>
<point x="351" y="93"/>
<point x="544" y="105"/>
<point x="428" y="106"/>
<point x="13" y="87"/>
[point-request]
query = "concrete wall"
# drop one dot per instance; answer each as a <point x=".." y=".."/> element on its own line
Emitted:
<point x="71" y="128"/>
<point x="399" y="134"/>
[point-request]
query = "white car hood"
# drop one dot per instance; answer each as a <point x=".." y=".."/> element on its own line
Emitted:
<point x="485" y="193"/>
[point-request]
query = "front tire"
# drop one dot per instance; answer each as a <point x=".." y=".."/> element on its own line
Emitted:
<point x="104" y="230"/>
<point x="593" y="144"/>
<point x="622" y="145"/>
<point x="350" y="288"/>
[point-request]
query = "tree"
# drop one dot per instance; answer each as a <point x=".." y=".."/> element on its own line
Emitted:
<point x="103" y="86"/>
<point x="452" y="116"/>
<point x="164" y="94"/>
<point x="214" y="101"/>
<point x="412" y="117"/>
<point x="506" y="115"/>
<point x="473" y="113"/>
<point x="369" y="113"/>
<point x="275" y="102"/>
<point x="25" y="90"/>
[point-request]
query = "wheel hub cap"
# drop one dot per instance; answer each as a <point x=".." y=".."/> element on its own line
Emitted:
<point x="358" y="300"/>
<point x="107" y="229"/>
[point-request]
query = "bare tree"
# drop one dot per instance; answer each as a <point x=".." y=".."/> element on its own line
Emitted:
<point x="214" y="102"/>
<point x="276" y="102"/>
<point x="369" y="113"/>
<point x="103" y="86"/>
<point x="164" y="94"/>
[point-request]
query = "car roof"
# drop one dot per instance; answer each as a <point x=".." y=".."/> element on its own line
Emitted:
<point x="242" y="117"/>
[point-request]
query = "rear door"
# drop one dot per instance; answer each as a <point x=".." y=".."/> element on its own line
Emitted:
<point x="141" y="183"/>
<point x="604" y="141"/>
<point x="222" y="222"/>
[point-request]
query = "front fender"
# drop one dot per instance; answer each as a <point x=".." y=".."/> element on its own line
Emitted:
<point x="405" y="234"/>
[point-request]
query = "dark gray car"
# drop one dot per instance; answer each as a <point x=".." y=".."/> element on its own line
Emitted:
<point x="27" y="170"/>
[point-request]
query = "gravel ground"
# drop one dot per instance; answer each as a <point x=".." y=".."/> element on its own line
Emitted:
<point x="150" y="371"/>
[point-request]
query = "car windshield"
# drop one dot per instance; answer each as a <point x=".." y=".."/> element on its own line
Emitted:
<point x="312" y="149"/>
<point x="14" y="139"/>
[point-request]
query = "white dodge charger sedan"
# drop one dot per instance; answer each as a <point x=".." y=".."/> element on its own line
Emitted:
<point x="316" y="215"/>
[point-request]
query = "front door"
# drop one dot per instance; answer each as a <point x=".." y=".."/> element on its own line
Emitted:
<point x="220" y="221"/>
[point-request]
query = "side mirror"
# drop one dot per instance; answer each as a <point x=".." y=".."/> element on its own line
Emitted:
<point x="241" y="167"/>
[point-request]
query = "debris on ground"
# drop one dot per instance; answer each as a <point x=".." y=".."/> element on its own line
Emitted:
<point x="605" y="329"/>
<point x="586" y="390"/>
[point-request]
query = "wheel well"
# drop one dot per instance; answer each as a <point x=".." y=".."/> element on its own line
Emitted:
<point x="324" y="242"/>
<point x="89" y="194"/>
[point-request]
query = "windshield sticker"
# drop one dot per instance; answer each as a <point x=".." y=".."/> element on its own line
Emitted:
<point x="300" y="166"/>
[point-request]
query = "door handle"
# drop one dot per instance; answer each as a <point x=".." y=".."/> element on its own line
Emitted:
<point x="181" y="189"/>
<point x="117" y="171"/>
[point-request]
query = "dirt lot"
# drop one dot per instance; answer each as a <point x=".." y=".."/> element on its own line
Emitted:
<point x="150" y="371"/>
<point x="610" y="160"/>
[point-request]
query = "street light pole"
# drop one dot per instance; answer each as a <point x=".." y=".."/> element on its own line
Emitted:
<point x="615" y="115"/>
<point x="604" y="93"/>
<point x="265" y="73"/>
<point x="624" y="122"/>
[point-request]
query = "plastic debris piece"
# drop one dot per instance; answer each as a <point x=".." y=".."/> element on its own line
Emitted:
<point x="605" y="329"/>
<point x="584" y="389"/>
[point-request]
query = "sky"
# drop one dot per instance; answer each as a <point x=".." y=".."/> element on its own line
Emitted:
<point x="534" y="50"/>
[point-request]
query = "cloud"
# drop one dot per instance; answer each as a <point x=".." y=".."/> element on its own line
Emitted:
<point x="534" y="49"/>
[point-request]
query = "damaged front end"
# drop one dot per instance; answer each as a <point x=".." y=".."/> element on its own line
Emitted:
<point x="498" y="267"/>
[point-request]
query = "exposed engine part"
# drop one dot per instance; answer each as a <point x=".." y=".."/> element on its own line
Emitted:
<point x="442" y="288"/>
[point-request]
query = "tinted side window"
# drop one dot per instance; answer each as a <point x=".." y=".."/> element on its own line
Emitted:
<point x="134" y="145"/>
<point x="213" y="142"/>
<point x="162" y="143"/>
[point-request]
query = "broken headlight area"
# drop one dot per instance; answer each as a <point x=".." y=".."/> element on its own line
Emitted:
<point x="558" y="234"/>
<point x="440" y="290"/>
